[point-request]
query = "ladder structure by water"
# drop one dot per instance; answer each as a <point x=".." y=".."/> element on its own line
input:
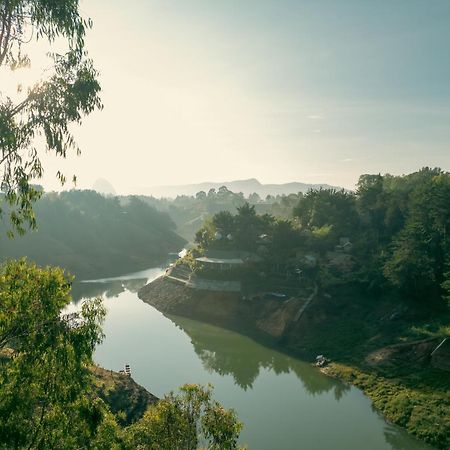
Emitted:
<point x="126" y="371"/>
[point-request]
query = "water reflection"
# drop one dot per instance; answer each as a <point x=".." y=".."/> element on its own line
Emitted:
<point x="284" y="403"/>
<point x="110" y="289"/>
<point x="114" y="286"/>
<point x="398" y="442"/>
<point x="229" y="353"/>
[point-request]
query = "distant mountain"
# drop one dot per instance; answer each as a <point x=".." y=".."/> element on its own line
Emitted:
<point x="104" y="187"/>
<point x="247" y="187"/>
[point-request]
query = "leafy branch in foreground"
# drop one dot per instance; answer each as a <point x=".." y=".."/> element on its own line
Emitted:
<point x="44" y="377"/>
<point x="42" y="118"/>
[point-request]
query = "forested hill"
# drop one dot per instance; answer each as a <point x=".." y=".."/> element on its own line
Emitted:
<point x="92" y="235"/>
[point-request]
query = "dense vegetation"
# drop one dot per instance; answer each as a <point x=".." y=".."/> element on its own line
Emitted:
<point x="93" y="235"/>
<point x="396" y="230"/>
<point x="381" y="259"/>
<point x="399" y="228"/>
<point x="47" y="395"/>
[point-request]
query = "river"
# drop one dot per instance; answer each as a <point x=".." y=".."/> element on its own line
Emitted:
<point x="285" y="404"/>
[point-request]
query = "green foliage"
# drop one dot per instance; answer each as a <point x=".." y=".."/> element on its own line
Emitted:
<point x="186" y="421"/>
<point x="204" y="237"/>
<point x="325" y="207"/>
<point x="243" y="231"/>
<point x="224" y="221"/>
<point x="44" y="381"/>
<point x="322" y="238"/>
<point x="411" y="266"/>
<point x="446" y="287"/>
<point x="399" y="228"/>
<point x="48" y="108"/>
<point x="419" y="253"/>
<point x="248" y="226"/>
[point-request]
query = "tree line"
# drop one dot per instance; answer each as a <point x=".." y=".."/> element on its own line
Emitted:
<point x="397" y="226"/>
<point x="189" y="212"/>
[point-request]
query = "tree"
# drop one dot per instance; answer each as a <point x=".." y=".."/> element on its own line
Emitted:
<point x="285" y="238"/>
<point x="318" y="208"/>
<point x="247" y="227"/>
<point x="90" y="234"/>
<point x="46" y="109"/>
<point x="224" y="222"/>
<point x="201" y="195"/>
<point x="411" y="267"/>
<point x="254" y="198"/>
<point x="45" y="383"/>
<point x="420" y="257"/>
<point x="223" y="192"/>
<point x="186" y="421"/>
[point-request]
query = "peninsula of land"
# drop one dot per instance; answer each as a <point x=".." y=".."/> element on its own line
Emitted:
<point x="360" y="278"/>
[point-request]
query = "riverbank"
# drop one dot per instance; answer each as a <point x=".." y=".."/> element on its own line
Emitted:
<point x="345" y="326"/>
<point x="265" y="318"/>
<point x="418" y="402"/>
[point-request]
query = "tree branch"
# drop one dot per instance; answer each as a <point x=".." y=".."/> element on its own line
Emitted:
<point x="19" y="107"/>
<point x="4" y="39"/>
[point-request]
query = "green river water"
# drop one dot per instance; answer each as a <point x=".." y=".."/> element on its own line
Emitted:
<point x="284" y="403"/>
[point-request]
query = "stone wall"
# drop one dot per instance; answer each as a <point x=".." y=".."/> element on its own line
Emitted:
<point x="214" y="285"/>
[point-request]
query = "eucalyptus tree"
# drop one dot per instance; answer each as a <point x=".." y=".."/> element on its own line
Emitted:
<point x="45" y="399"/>
<point x="39" y="119"/>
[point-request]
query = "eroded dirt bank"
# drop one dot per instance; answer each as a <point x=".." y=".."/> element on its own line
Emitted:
<point x="264" y="317"/>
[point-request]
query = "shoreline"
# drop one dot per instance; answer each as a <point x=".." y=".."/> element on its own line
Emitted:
<point x="423" y="409"/>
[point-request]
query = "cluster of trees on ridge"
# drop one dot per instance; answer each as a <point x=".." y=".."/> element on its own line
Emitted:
<point x="246" y="230"/>
<point x="398" y="226"/>
<point x="189" y="212"/>
<point x="93" y="235"/>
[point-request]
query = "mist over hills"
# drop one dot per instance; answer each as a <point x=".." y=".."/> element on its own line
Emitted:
<point x="247" y="187"/>
<point x="92" y="235"/>
<point x="103" y="186"/>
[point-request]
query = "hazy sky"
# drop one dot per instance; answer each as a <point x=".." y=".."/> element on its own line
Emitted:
<point x="279" y="90"/>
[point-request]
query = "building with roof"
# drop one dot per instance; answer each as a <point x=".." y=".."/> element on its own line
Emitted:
<point x="223" y="260"/>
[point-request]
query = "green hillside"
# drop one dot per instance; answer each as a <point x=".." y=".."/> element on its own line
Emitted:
<point x="93" y="235"/>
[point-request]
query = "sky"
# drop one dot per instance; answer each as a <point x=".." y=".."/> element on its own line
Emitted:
<point x="316" y="91"/>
